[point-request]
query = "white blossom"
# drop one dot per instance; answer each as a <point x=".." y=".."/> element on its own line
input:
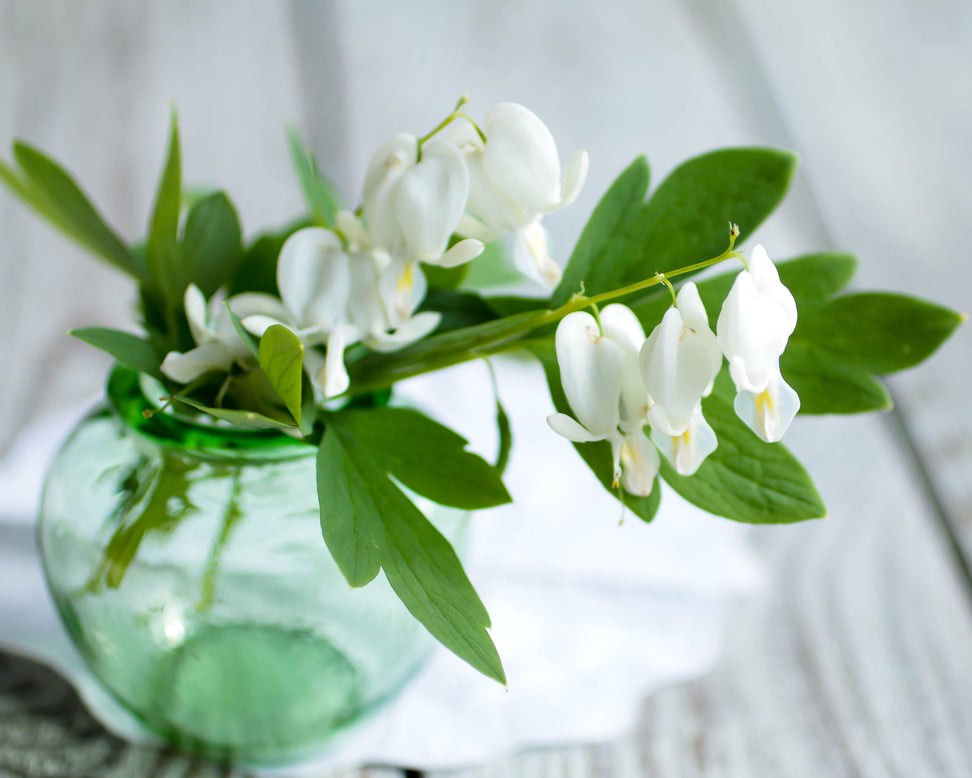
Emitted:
<point x="218" y="344"/>
<point x="599" y="375"/>
<point x="757" y="319"/>
<point x="679" y="363"/>
<point x="412" y="205"/>
<point x="515" y="178"/>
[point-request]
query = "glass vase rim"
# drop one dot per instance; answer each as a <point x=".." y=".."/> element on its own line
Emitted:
<point x="128" y="402"/>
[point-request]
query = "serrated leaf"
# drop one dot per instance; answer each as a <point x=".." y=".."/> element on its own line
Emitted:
<point x="427" y="457"/>
<point x="683" y="222"/>
<point x="165" y="262"/>
<point x="131" y="350"/>
<point x="239" y="418"/>
<point x="55" y="195"/>
<point x="597" y="455"/>
<point x="318" y="191"/>
<point x="211" y="242"/>
<point x="745" y="479"/>
<point x="282" y="360"/>
<point x="418" y="561"/>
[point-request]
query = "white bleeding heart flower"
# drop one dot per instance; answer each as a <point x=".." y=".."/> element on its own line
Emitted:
<point x="594" y="366"/>
<point x="758" y="316"/>
<point x="336" y="297"/>
<point x="689" y="449"/>
<point x="218" y="344"/>
<point x="679" y="363"/>
<point x="514" y="179"/>
<point x="412" y="204"/>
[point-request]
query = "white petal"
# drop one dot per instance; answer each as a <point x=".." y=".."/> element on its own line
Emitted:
<point x="474" y="228"/>
<point x="568" y="428"/>
<point x="195" y="302"/>
<point x="248" y="306"/>
<point x="753" y="330"/>
<point x="520" y="157"/>
<point x="590" y="371"/>
<point x="639" y="464"/>
<point x="620" y="324"/>
<point x="258" y="324"/>
<point x="688" y="450"/>
<point x="770" y="412"/>
<point x="390" y="162"/>
<point x="678" y="365"/>
<point x="186" y="367"/>
<point x="333" y="378"/>
<point x="412" y="330"/>
<point x="490" y="205"/>
<point x="402" y="287"/>
<point x="352" y="229"/>
<point x="314" y="277"/>
<point x="575" y="174"/>
<point x="531" y="257"/>
<point x="430" y="198"/>
<point x="462" y="252"/>
<point x="768" y="284"/>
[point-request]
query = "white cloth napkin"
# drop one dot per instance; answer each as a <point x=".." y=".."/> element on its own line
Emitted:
<point x="589" y="615"/>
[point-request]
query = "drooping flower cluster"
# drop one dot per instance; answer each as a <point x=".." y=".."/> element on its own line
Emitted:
<point x="362" y="281"/>
<point x="618" y="382"/>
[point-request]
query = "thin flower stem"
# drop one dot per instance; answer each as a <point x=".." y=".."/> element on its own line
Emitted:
<point x="505" y="338"/>
<point x="456" y="113"/>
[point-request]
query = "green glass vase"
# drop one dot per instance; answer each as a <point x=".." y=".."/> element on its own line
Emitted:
<point x="188" y="565"/>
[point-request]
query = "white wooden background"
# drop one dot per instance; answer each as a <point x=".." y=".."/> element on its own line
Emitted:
<point x="857" y="660"/>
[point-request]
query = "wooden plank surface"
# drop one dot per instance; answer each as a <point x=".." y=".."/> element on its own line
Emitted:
<point x="853" y="661"/>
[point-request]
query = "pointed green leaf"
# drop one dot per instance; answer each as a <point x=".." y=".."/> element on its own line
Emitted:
<point x="211" y="244"/>
<point x="427" y="457"/>
<point x="125" y="347"/>
<point x="685" y="221"/>
<point x="418" y="561"/>
<point x="318" y="191"/>
<point x="597" y="455"/>
<point x="163" y="253"/>
<point x="608" y="233"/>
<point x="54" y="194"/>
<point x="745" y="479"/>
<point x="239" y="418"/>
<point x="345" y="500"/>
<point x="282" y="359"/>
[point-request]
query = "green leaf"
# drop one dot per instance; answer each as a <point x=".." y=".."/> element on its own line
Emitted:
<point x="282" y="359"/>
<point x="318" y="191"/>
<point x="745" y="479"/>
<point x="53" y="194"/>
<point x="344" y="499"/>
<point x="826" y="385"/>
<point x="880" y="333"/>
<point x="125" y="347"/>
<point x="245" y="335"/>
<point x="612" y="225"/>
<point x="238" y="418"/>
<point x="427" y="457"/>
<point x="418" y="561"/>
<point x="448" y="278"/>
<point x="597" y="455"/>
<point x="163" y="253"/>
<point x="211" y="243"/>
<point x="685" y="221"/>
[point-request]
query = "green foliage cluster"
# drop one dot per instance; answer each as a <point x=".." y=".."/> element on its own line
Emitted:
<point x="369" y="453"/>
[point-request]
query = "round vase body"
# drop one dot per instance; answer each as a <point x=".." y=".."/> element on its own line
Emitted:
<point x="188" y="565"/>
